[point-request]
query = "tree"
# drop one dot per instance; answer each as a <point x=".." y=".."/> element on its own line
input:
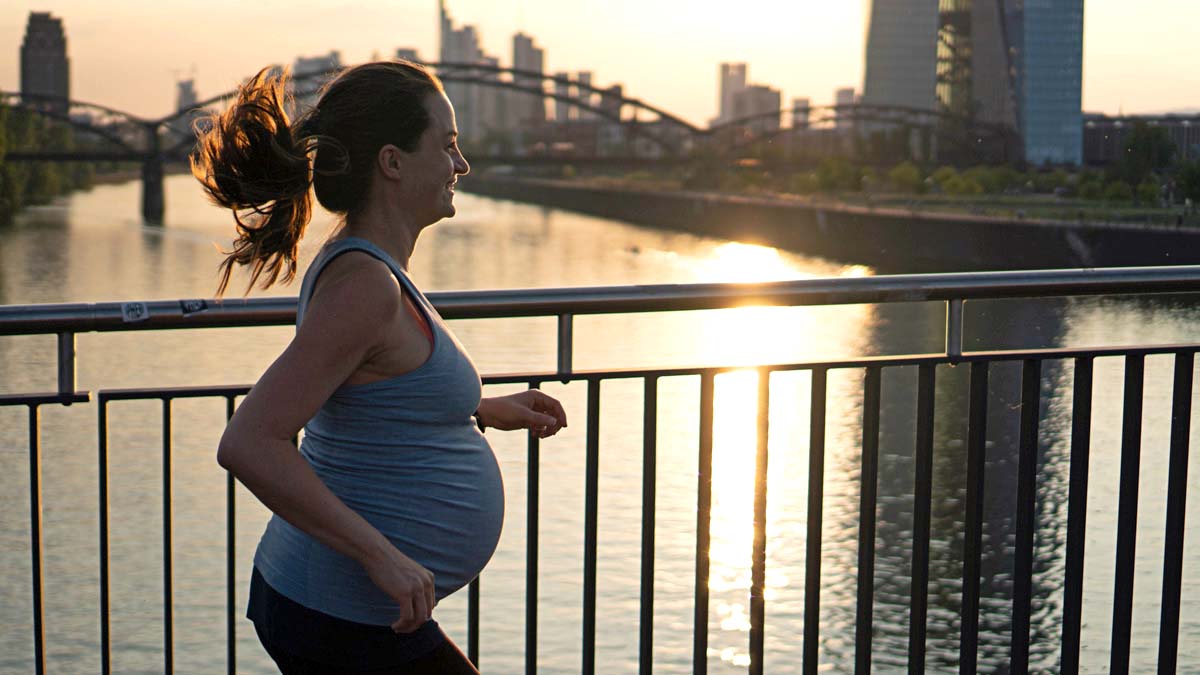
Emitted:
<point x="1187" y="178"/>
<point x="1091" y="189"/>
<point x="943" y="174"/>
<point x="1118" y="191"/>
<point x="1149" y="192"/>
<point x="1148" y="149"/>
<point x="905" y="177"/>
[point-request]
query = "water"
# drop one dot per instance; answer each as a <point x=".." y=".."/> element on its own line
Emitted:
<point x="90" y="247"/>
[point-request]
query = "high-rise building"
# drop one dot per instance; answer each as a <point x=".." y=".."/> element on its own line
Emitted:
<point x="529" y="57"/>
<point x="758" y="105"/>
<point x="1014" y="63"/>
<point x="901" y="54"/>
<point x="610" y="101"/>
<point x="585" y="95"/>
<point x="562" y="88"/>
<point x="844" y="98"/>
<point x="732" y="80"/>
<point x="310" y="73"/>
<point x="461" y="46"/>
<point x="408" y="54"/>
<point x="185" y="94"/>
<point x="1049" y="80"/>
<point x="45" y="68"/>
<point x="800" y="113"/>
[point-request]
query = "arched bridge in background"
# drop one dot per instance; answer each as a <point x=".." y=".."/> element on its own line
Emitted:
<point x="652" y="136"/>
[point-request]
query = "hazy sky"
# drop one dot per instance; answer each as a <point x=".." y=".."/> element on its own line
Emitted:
<point x="1138" y="56"/>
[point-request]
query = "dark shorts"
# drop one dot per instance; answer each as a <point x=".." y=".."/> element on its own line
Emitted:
<point x="304" y="640"/>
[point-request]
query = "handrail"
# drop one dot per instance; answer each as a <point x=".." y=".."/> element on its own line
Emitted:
<point x="274" y="311"/>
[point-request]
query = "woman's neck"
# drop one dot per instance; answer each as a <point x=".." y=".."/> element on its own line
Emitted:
<point x="392" y="232"/>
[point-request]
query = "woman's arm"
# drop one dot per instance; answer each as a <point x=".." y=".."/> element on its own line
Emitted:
<point x="354" y="312"/>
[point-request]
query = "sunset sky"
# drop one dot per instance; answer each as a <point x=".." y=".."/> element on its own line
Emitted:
<point x="1138" y="56"/>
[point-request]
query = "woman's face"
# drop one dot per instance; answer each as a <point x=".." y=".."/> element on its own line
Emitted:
<point x="433" y="168"/>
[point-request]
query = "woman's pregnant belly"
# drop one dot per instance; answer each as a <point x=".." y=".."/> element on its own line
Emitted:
<point x="443" y="507"/>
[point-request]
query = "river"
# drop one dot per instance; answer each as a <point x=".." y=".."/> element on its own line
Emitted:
<point x="92" y="247"/>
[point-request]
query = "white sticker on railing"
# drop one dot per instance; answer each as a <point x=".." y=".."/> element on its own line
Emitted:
<point x="134" y="311"/>
<point x="192" y="306"/>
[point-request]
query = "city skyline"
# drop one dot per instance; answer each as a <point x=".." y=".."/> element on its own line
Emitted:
<point x="671" y="60"/>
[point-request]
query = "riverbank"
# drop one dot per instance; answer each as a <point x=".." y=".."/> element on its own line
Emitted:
<point x="888" y="238"/>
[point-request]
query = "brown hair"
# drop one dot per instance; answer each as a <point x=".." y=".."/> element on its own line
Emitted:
<point x="255" y="161"/>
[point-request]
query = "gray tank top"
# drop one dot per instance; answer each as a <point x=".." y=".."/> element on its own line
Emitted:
<point x="405" y="454"/>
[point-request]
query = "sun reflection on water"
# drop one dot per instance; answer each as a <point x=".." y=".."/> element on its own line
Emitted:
<point x="752" y="336"/>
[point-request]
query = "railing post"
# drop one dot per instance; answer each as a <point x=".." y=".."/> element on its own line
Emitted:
<point x="954" y="328"/>
<point x="66" y="362"/>
<point x="565" y="340"/>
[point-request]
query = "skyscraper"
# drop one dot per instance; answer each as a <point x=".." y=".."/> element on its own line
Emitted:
<point x="185" y="94"/>
<point x="901" y="53"/>
<point x="1049" y="80"/>
<point x="1015" y="63"/>
<point x="844" y="98"/>
<point x="759" y="105"/>
<point x="584" y="78"/>
<point x="800" y="113"/>
<point x="527" y="56"/>
<point x="310" y="73"/>
<point x="461" y="46"/>
<point x="733" y="80"/>
<point x="562" y="87"/>
<point x="45" y="68"/>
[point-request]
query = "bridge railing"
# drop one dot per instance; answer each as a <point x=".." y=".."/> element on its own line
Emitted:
<point x="66" y="321"/>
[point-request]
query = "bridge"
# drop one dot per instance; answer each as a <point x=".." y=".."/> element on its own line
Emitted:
<point x="649" y="136"/>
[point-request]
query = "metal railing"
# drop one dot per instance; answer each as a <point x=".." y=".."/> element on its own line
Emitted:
<point x="68" y="320"/>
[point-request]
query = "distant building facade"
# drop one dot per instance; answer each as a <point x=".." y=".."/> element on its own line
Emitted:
<point x="732" y="80"/>
<point x="45" y="68"/>
<point x="1104" y="137"/>
<point x="562" y="89"/>
<point x="531" y="109"/>
<point x="759" y="105"/>
<point x="901" y="54"/>
<point x="844" y="98"/>
<point x="1050" y="80"/>
<point x="801" y="109"/>
<point x="408" y="54"/>
<point x="185" y="95"/>
<point x="1014" y="63"/>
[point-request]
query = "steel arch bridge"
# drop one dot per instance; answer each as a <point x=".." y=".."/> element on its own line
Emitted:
<point x="153" y="141"/>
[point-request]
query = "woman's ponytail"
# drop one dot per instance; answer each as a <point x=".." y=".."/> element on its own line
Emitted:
<point x="252" y="162"/>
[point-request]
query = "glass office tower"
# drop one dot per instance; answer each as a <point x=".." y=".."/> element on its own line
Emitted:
<point x="1050" y="80"/>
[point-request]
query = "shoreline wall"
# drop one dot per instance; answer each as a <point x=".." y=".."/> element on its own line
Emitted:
<point x="890" y="240"/>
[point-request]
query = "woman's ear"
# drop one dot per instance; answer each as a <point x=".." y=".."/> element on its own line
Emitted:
<point x="390" y="162"/>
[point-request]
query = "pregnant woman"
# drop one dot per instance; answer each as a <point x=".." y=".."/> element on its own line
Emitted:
<point x="393" y="499"/>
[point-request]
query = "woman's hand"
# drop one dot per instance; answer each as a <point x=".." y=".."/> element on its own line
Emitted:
<point x="406" y="582"/>
<point x="530" y="409"/>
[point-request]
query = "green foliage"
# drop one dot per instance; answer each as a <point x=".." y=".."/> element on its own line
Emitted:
<point x="869" y="180"/>
<point x="905" y="177"/>
<point x="988" y="179"/>
<point x="1091" y="189"/>
<point x="802" y="183"/>
<point x="942" y="175"/>
<point x="838" y="174"/>
<point x="1187" y="178"/>
<point x="1147" y="149"/>
<point x="1118" y="191"/>
<point x="35" y="183"/>
<point x="3" y="131"/>
<point x="1046" y="182"/>
<point x="1149" y="192"/>
<point x="961" y="186"/>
